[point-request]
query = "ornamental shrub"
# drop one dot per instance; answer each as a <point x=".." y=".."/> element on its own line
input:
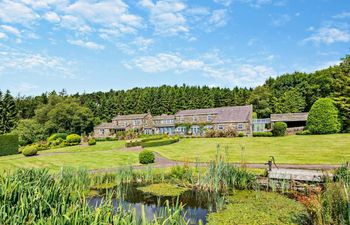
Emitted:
<point x="146" y="157"/>
<point x="279" y="129"/>
<point x="323" y="117"/>
<point x="262" y="134"/>
<point x="92" y="141"/>
<point x="240" y="134"/>
<point x="304" y="132"/>
<point x="30" y="150"/>
<point x="155" y="143"/>
<point x="56" y="136"/>
<point x="8" y="144"/>
<point x="73" y="139"/>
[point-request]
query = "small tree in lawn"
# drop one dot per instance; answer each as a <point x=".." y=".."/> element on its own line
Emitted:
<point x="324" y="117"/>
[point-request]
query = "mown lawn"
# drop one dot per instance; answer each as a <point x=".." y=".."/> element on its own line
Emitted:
<point x="102" y="155"/>
<point x="315" y="149"/>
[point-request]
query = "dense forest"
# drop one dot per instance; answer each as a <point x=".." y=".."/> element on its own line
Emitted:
<point x="296" y="92"/>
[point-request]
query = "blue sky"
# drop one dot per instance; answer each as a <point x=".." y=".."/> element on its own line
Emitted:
<point x="89" y="45"/>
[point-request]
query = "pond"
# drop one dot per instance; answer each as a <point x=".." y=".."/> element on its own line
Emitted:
<point x="197" y="204"/>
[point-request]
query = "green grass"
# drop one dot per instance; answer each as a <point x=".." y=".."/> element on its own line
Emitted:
<point x="102" y="155"/>
<point x="250" y="207"/>
<point x="315" y="149"/>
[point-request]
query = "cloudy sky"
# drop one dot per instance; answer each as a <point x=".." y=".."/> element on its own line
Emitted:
<point x="90" y="45"/>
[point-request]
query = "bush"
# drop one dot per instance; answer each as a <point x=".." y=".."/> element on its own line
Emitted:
<point x="323" y="117"/>
<point x="304" y="132"/>
<point x="262" y="134"/>
<point x="159" y="142"/>
<point x="56" y="136"/>
<point x="92" y="141"/>
<point x="8" y="144"/>
<point x="30" y="150"/>
<point x="240" y="134"/>
<point x="73" y="139"/>
<point x="133" y="143"/>
<point x="146" y="157"/>
<point x="279" y="129"/>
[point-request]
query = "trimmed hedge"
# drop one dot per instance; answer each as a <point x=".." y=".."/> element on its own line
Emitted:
<point x="73" y="139"/>
<point x="56" y="136"/>
<point x="92" y="142"/>
<point x="146" y="157"/>
<point x="8" y="144"/>
<point x="262" y="134"/>
<point x="159" y="142"/>
<point x="323" y="117"/>
<point x="304" y="132"/>
<point x="30" y="150"/>
<point x="279" y="129"/>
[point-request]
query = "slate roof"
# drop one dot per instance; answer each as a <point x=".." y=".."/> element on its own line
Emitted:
<point x="289" y="117"/>
<point x="223" y="114"/>
<point x="109" y="126"/>
<point x="164" y="117"/>
<point x="130" y="117"/>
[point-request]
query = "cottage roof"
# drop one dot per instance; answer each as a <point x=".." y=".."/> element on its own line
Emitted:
<point x="130" y="117"/>
<point x="223" y="114"/>
<point x="108" y="126"/>
<point x="289" y="117"/>
<point x="164" y="117"/>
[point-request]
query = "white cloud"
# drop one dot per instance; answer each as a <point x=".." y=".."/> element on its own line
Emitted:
<point x="219" y="18"/>
<point x="12" y="59"/>
<point x="3" y="35"/>
<point x="52" y="17"/>
<point x="16" y="12"/>
<point x="224" y="2"/>
<point x="342" y="15"/>
<point x="281" y="20"/>
<point x="143" y="43"/>
<point x="86" y="44"/>
<point x="167" y="17"/>
<point x="234" y="73"/>
<point x="25" y="87"/>
<point x="329" y="35"/>
<point x="11" y="30"/>
<point x="110" y="14"/>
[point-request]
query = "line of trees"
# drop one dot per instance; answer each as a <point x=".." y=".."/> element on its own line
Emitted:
<point x="59" y="112"/>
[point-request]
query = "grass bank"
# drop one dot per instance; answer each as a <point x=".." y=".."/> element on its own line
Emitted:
<point x="315" y="149"/>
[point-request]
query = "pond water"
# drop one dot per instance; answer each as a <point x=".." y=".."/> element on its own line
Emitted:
<point x="197" y="204"/>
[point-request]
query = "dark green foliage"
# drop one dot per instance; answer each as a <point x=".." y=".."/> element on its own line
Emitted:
<point x="146" y="157"/>
<point x="279" y="129"/>
<point x="155" y="143"/>
<point x="30" y="150"/>
<point x="92" y="141"/>
<point x="29" y="131"/>
<point x="304" y="132"/>
<point x="240" y="134"/>
<point x="262" y="134"/>
<point x="56" y="136"/>
<point x="8" y="113"/>
<point x="323" y="117"/>
<point x="8" y="144"/>
<point x="73" y="139"/>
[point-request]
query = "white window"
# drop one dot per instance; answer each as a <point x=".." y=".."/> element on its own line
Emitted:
<point x="194" y="118"/>
<point x="136" y="122"/>
<point x="195" y="129"/>
<point x="102" y="131"/>
<point x="221" y="127"/>
<point x="240" y="126"/>
<point x="209" y="118"/>
<point x="208" y="127"/>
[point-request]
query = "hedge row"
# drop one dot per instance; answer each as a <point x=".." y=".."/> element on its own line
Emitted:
<point x="262" y="134"/>
<point x="150" y="142"/>
<point x="159" y="142"/>
<point x="8" y="144"/>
